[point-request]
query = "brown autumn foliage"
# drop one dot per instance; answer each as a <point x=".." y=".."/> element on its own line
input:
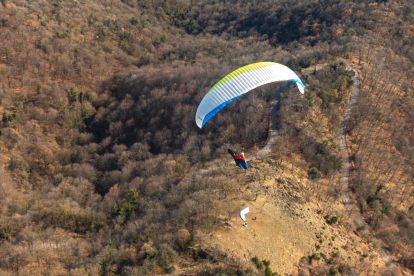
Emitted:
<point x="98" y="135"/>
<point x="183" y="236"/>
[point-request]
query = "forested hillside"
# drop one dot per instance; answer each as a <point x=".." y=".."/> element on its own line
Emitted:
<point x="100" y="153"/>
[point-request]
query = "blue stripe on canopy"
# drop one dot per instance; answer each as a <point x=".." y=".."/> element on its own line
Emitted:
<point x="217" y="109"/>
<point x="298" y="81"/>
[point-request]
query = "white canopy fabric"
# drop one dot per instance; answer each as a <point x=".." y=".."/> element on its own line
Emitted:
<point x="243" y="213"/>
<point x="240" y="82"/>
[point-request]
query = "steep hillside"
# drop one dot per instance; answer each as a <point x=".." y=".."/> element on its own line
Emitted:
<point x="288" y="229"/>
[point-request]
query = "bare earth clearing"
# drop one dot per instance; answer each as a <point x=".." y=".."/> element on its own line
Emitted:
<point x="287" y="229"/>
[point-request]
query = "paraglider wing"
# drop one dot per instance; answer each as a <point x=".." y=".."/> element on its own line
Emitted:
<point x="240" y="82"/>
<point x="243" y="213"/>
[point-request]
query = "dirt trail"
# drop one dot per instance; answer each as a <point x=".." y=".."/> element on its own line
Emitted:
<point x="344" y="179"/>
<point x="272" y="123"/>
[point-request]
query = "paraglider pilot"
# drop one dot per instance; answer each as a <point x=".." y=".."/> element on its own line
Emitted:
<point x="239" y="159"/>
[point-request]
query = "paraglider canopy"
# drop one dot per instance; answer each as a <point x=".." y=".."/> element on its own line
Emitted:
<point x="240" y="82"/>
<point x="243" y="213"/>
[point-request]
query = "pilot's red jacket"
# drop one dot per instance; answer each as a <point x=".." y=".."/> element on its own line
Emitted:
<point x="241" y="156"/>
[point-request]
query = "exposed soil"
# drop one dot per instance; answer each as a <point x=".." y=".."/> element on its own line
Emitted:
<point x="285" y="230"/>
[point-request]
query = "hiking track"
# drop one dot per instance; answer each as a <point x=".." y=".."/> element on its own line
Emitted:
<point x="350" y="206"/>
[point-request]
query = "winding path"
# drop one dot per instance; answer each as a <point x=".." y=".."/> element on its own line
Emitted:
<point x="344" y="179"/>
<point x="272" y="124"/>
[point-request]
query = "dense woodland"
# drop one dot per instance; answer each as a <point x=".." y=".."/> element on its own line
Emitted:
<point x="98" y="143"/>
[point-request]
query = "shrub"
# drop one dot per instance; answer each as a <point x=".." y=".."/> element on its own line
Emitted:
<point x="316" y="256"/>
<point x="129" y="256"/>
<point x="309" y="99"/>
<point x="370" y="199"/>
<point x="134" y="21"/>
<point x="127" y="210"/>
<point x="268" y="272"/>
<point x="166" y="257"/>
<point x="314" y="173"/>
<point x="333" y="271"/>
<point x="183" y="237"/>
<point x="148" y="251"/>
<point x="171" y="269"/>
<point x="386" y="208"/>
<point x="361" y="228"/>
<point x="196" y="257"/>
<point x="72" y="95"/>
<point x="399" y="216"/>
